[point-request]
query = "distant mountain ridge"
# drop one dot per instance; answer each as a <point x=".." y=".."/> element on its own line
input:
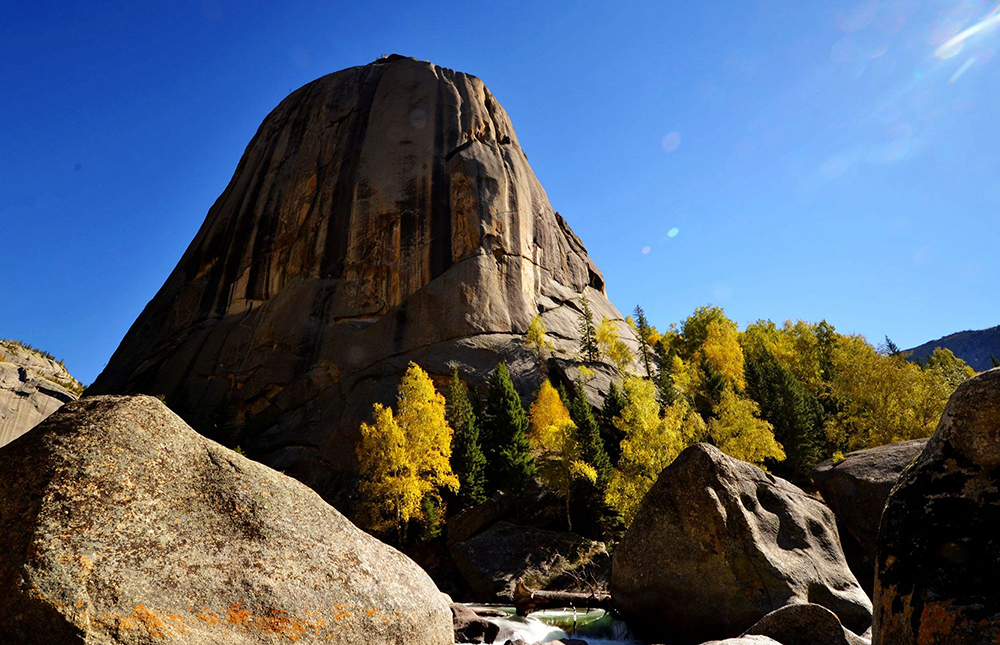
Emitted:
<point x="973" y="346"/>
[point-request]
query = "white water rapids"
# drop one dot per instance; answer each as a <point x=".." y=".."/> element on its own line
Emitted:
<point x="595" y="626"/>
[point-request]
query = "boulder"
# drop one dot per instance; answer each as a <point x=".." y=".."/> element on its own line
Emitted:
<point x="856" y="489"/>
<point x="938" y="556"/>
<point x="805" y="624"/>
<point x="745" y="640"/>
<point x="382" y="214"/>
<point x="718" y="543"/>
<point x="32" y="386"/>
<point x="120" y="524"/>
<point x="493" y="562"/>
<point x="470" y="627"/>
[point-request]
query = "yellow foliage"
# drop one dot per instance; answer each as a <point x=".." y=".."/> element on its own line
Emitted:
<point x="536" y="338"/>
<point x="404" y="457"/>
<point x="737" y="431"/>
<point x="612" y="346"/>
<point x="721" y="350"/>
<point x="547" y="410"/>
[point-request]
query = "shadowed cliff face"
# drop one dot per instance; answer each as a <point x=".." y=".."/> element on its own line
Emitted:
<point x="381" y="214"/>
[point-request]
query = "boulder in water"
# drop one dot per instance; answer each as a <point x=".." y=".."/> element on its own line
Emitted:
<point x="718" y="543"/>
<point x="938" y="559"/>
<point x="120" y="524"/>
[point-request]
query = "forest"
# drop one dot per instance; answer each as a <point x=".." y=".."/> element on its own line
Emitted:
<point x="783" y="397"/>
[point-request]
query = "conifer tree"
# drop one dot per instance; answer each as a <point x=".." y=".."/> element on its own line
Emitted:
<point x="589" y="435"/>
<point x="611" y="435"/>
<point x="644" y="332"/>
<point x="993" y="361"/>
<point x="504" y="435"/>
<point x="588" y="332"/>
<point x="467" y="459"/>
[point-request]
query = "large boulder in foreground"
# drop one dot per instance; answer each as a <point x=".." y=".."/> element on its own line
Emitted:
<point x="856" y="489"/>
<point x="120" y="524"/>
<point x="493" y="562"/>
<point x="938" y="560"/>
<point x="32" y="386"/>
<point x="805" y="624"/>
<point x="382" y="214"/>
<point x="718" y="543"/>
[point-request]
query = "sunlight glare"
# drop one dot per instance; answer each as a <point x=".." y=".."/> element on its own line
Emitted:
<point x="954" y="45"/>
<point x="961" y="70"/>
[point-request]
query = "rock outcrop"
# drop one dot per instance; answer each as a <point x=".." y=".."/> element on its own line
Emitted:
<point x="805" y="624"/>
<point x="492" y="562"/>
<point x="382" y="214"/>
<point x="120" y="524"/>
<point x="32" y="386"/>
<point x="938" y="558"/>
<point x="856" y="490"/>
<point x="718" y="543"/>
<point x="472" y="628"/>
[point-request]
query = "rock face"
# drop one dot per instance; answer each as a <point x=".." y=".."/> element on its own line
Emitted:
<point x="938" y="558"/>
<point x="32" y="386"/>
<point x="120" y="524"/>
<point x="492" y="562"/>
<point x="857" y="488"/>
<point x="718" y="543"/>
<point x="805" y="624"/>
<point x="382" y="214"/>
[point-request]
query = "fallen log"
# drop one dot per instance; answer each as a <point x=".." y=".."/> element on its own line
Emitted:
<point x="527" y="600"/>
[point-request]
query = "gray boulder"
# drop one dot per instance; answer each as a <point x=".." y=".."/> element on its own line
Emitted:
<point x="121" y="525"/>
<point x="717" y="544"/>
<point x="382" y="214"/>
<point x="938" y="557"/>
<point x="856" y="489"/>
<point x="470" y="627"/>
<point x="805" y="625"/>
<point x="492" y="562"/>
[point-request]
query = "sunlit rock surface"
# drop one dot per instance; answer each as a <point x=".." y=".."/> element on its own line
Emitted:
<point x="382" y="214"/>
<point x="120" y="524"/>
<point x="32" y="386"/>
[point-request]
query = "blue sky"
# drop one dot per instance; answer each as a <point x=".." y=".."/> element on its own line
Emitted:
<point x="780" y="159"/>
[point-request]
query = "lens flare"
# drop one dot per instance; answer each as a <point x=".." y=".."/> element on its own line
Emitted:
<point x="646" y="250"/>
<point x="963" y="69"/>
<point x="954" y="45"/>
<point x="673" y="232"/>
<point x="671" y="142"/>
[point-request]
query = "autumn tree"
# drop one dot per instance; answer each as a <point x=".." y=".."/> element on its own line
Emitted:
<point x="557" y="452"/>
<point x="645" y="335"/>
<point x="467" y="459"/>
<point x="404" y="458"/>
<point x="737" y="430"/>
<point x="945" y="365"/>
<point x="612" y="346"/>
<point x="536" y="339"/>
<point x="588" y="333"/>
<point x="504" y="435"/>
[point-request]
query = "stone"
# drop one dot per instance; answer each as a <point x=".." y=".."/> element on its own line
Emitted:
<point x="470" y="627"/>
<point x="478" y="518"/>
<point x="32" y="386"/>
<point x="938" y="556"/>
<point x="492" y="562"/>
<point x="745" y="640"/>
<point x="805" y="624"/>
<point x="718" y="543"/>
<point x="856" y="490"/>
<point x="382" y="214"/>
<point x="121" y="525"/>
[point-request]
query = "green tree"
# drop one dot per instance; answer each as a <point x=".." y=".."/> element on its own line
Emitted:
<point x="589" y="435"/>
<point x="504" y="435"/>
<point x="795" y="414"/>
<point x="614" y="403"/>
<point x="588" y="333"/>
<point x="645" y="334"/>
<point x="404" y="458"/>
<point x="467" y="459"/>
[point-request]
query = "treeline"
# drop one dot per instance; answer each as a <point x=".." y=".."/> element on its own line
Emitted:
<point x="781" y="397"/>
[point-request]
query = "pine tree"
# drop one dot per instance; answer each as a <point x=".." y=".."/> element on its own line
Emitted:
<point x="588" y="332"/>
<point x="993" y="361"/>
<point x="467" y="459"/>
<point x="611" y="435"/>
<point x="504" y="435"/>
<point x="795" y="413"/>
<point x="589" y="435"/>
<point x="644" y="331"/>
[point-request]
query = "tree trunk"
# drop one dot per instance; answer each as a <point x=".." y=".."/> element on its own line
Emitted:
<point x="527" y="600"/>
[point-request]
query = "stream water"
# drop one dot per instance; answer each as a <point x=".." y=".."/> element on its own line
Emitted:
<point x="595" y="626"/>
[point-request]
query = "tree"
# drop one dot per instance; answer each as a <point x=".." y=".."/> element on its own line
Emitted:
<point x="891" y="348"/>
<point x="588" y="334"/>
<point x="795" y="414"/>
<point x="467" y="459"/>
<point x="950" y="368"/>
<point x="737" y="430"/>
<point x="613" y="346"/>
<point x="404" y="458"/>
<point x="504" y="437"/>
<point x="536" y="339"/>
<point x="993" y="361"/>
<point x="557" y="452"/>
<point x="589" y="435"/>
<point x="650" y="444"/>
<point x="614" y="403"/>
<point x="645" y="333"/>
